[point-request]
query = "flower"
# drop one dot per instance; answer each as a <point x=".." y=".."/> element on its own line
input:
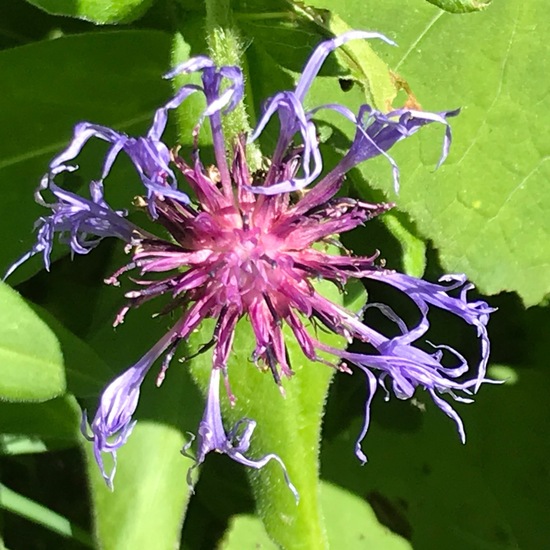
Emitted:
<point x="245" y="245"/>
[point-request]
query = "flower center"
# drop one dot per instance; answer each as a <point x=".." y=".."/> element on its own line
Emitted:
<point x="248" y="244"/>
<point x="245" y="256"/>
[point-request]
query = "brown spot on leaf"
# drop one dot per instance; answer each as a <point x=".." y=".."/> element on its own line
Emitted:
<point x="402" y="85"/>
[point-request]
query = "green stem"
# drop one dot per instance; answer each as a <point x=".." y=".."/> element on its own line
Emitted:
<point x="26" y="508"/>
<point x="225" y="46"/>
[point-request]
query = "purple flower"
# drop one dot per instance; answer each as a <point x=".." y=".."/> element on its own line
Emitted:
<point x="246" y="246"/>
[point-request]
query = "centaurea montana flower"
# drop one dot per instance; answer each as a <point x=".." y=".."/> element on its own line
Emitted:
<point x="243" y="246"/>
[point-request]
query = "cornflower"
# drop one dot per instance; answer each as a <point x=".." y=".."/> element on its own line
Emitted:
<point x="244" y="245"/>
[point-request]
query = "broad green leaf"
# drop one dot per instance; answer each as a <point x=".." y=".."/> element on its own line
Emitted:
<point x="350" y="522"/>
<point x="486" y="209"/>
<point x="113" y="79"/>
<point x="97" y="11"/>
<point x="246" y="531"/>
<point x="288" y="426"/>
<point x="30" y="356"/>
<point x="461" y="6"/>
<point x="147" y="506"/>
<point x="35" y="427"/>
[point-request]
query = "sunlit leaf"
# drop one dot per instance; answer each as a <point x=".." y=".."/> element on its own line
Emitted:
<point x="31" y="361"/>
<point x="461" y="6"/>
<point x="486" y="209"/>
<point x="98" y="11"/>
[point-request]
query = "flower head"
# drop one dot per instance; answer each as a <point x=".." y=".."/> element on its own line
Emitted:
<point x="246" y="245"/>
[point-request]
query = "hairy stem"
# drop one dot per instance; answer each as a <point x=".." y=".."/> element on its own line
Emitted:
<point x="225" y="46"/>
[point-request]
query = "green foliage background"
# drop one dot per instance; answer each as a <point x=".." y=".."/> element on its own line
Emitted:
<point x="486" y="213"/>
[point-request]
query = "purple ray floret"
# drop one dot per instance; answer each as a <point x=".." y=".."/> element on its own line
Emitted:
<point x="149" y="155"/>
<point x="246" y="246"/>
<point x="81" y="223"/>
<point x="213" y="437"/>
<point x="295" y="119"/>
<point x="113" y="423"/>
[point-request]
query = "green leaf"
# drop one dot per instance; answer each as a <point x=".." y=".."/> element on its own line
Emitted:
<point x="35" y="427"/>
<point x="30" y="357"/>
<point x="147" y="506"/>
<point x="85" y="371"/>
<point x="413" y="249"/>
<point x="43" y="99"/>
<point x="247" y="531"/>
<point x="350" y="522"/>
<point x="486" y="209"/>
<point x="97" y="11"/>
<point x="461" y="6"/>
